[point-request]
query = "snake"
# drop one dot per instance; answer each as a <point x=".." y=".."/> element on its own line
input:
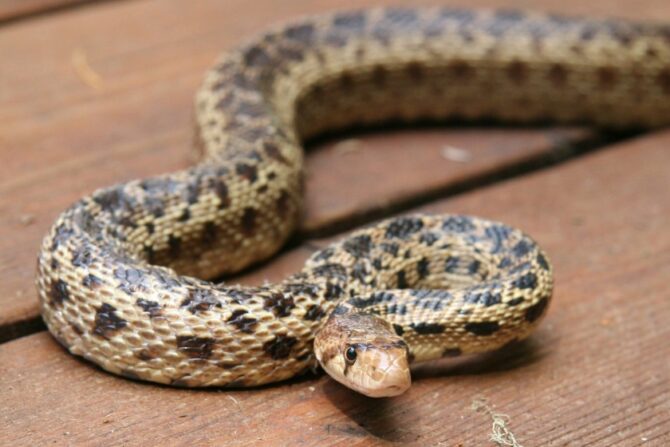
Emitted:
<point x="128" y="276"/>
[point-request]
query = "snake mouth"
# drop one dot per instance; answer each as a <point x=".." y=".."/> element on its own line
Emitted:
<point x="386" y="390"/>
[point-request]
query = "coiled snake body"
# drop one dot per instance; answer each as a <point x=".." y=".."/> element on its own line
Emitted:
<point x="117" y="274"/>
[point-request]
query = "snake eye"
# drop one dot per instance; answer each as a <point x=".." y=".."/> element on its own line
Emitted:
<point x="350" y="354"/>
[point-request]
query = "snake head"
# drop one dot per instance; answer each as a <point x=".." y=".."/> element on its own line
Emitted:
<point x="363" y="352"/>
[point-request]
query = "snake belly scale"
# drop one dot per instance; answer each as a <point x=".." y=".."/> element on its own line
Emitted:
<point x="119" y="272"/>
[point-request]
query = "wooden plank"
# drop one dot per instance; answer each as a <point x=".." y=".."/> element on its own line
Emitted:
<point x="349" y="180"/>
<point x="103" y="94"/>
<point x="596" y="373"/>
<point x="11" y="10"/>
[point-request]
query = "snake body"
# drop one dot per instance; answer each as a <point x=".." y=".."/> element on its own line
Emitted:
<point x="118" y="273"/>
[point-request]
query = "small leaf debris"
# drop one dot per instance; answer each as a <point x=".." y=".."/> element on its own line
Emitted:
<point x="500" y="434"/>
<point x="84" y="70"/>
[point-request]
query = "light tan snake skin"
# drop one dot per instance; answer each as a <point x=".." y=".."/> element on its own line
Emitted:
<point x="117" y="272"/>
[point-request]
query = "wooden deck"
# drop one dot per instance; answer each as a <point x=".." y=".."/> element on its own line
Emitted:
<point x="101" y="92"/>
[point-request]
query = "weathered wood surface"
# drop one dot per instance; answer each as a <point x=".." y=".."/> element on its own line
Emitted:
<point x="24" y="9"/>
<point x="102" y="93"/>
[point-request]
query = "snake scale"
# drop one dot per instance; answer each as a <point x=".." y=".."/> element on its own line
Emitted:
<point x="120" y="273"/>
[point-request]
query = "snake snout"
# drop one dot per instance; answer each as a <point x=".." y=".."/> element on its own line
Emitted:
<point x="391" y="376"/>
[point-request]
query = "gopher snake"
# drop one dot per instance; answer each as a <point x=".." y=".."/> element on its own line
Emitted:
<point x="117" y="274"/>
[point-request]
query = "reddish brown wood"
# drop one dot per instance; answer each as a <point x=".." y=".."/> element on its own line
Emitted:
<point x="349" y="180"/>
<point x="595" y="374"/>
<point x="23" y="9"/>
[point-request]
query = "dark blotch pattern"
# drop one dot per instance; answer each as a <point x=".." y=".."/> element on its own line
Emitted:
<point x="458" y="224"/>
<point x="333" y="291"/>
<point x="247" y="171"/>
<point x="113" y="199"/>
<point x="82" y="257"/>
<point x="522" y="248"/>
<point x="515" y="301"/>
<point x="242" y="321"/>
<point x="174" y="245"/>
<point x="340" y="310"/>
<point x="274" y="153"/>
<point x="91" y="281"/>
<point x="402" y="279"/>
<point x="209" y="232"/>
<point x="390" y="248"/>
<point x="397" y="309"/>
<point x="542" y="261"/>
<point x="451" y="264"/>
<point x="427" y="328"/>
<point x="400" y="17"/>
<point x="130" y="279"/>
<point x="428" y="238"/>
<point x="358" y="246"/>
<point x="378" y="264"/>
<point x="486" y="298"/>
<point x="335" y="271"/>
<point x="536" y="310"/>
<point x="423" y="267"/>
<point x="200" y="300"/>
<point x="62" y="234"/>
<point x="280" y="347"/>
<point x="403" y="227"/>
<point x="256" y="56"/>
<point x="504" y="263"/>
<point x="483" y="327"/>
<point x="279" y="304"/>
<point x="151" y="307"/>
<point x="324" y="255"/>
<point x="360" y="272"/>
<point x="350" y="22"/>
<point x="301" y="33"/>
<point x="221" y="191"/>
<point x="249" y="221"/>
<point x="314" y="312"/>
<point x="107" y="322"/>
<point x="59" y="292"/>
<point x="372" y="300"/>
<point x="440" y="295"/>
<point x="195" y="347"/>
<point x="310" y="290"/>
<point x="520" y="267"/>
<point x="527" y="281"/>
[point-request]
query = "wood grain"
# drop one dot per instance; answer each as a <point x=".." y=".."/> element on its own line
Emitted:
<point x="103" y="94"/>
<point x="11" y="10"/>
<point x="596" y="373"/>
